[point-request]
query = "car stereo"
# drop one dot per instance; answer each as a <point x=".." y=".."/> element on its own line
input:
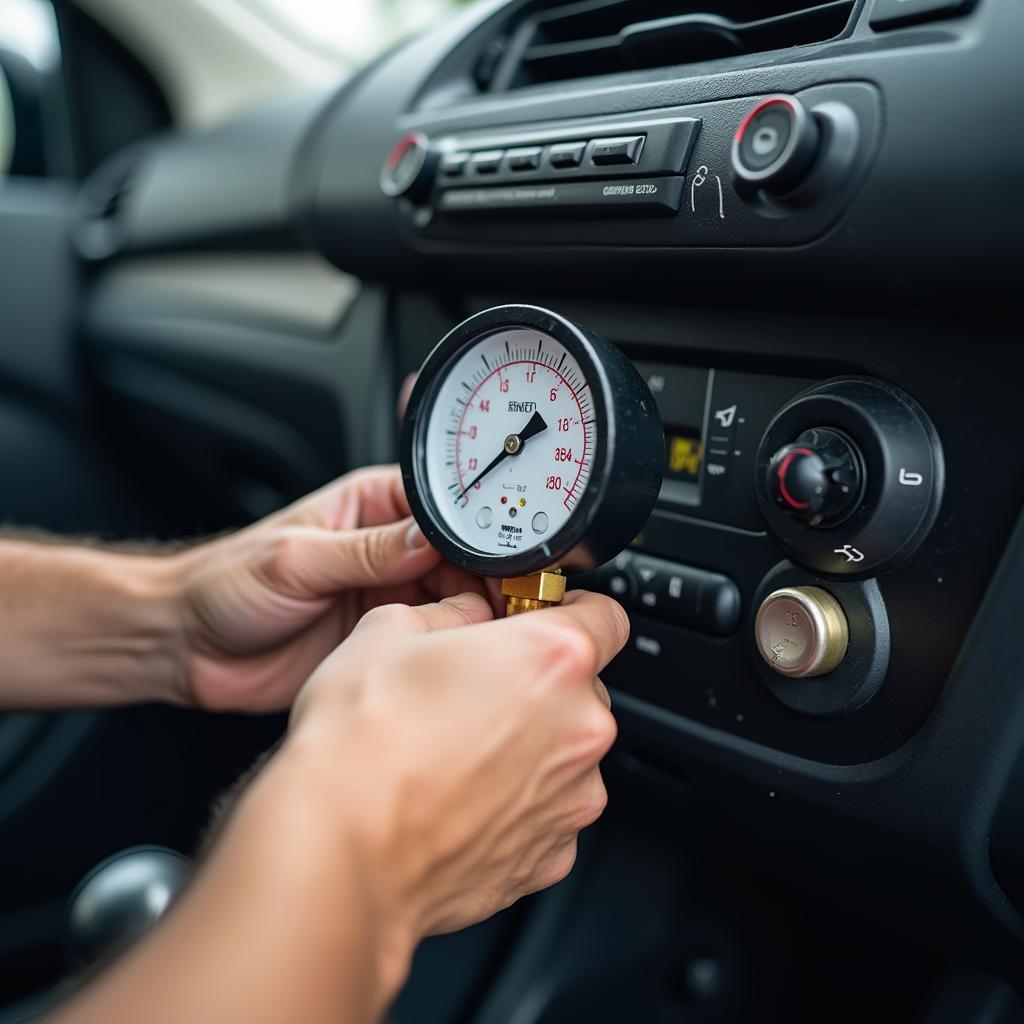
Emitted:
<point x="754" y="170"/>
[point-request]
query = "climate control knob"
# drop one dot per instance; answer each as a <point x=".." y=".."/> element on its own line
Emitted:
<point x="859" y="487"/>
<point x="819" y="478"/>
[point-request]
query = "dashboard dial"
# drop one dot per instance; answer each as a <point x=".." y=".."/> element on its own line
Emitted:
<point x="516" y="440"/>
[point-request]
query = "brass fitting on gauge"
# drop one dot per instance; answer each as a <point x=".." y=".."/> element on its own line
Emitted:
<point x="530" y="593"/>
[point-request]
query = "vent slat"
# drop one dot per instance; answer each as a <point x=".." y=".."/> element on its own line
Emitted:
<point x="597" y="37"/>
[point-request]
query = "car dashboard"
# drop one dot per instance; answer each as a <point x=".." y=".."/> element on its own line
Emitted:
<point x="791" y="217"/>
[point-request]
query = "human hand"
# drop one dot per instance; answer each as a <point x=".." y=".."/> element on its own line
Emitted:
<point x="262" y="608"/>
<point x="462" y="762"/>
<point x="438" y="766"/>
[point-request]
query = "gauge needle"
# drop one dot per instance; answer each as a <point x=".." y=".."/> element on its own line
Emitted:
<point x="513" y="446"/>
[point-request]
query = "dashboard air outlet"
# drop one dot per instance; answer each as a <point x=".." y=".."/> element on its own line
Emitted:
<point x="597" y="37"/>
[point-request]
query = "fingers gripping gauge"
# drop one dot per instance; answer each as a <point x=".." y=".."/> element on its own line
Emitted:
<point x="530" y="443"/>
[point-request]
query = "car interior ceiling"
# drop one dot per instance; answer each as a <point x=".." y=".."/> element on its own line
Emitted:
<point x="802" y="224"/>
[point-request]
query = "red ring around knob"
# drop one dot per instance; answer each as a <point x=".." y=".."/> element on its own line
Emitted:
<point x="783" y="469"/>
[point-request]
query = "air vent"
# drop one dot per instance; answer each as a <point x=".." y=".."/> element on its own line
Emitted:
<point x="599" y="37"/>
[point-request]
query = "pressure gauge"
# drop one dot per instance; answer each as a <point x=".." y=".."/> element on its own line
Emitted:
<point x="529" y="443"/>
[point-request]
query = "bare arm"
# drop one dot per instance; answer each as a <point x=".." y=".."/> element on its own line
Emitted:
<point x="86" y="627"/>
<point x="237" y="623"/>
<point x="438" y="766"/>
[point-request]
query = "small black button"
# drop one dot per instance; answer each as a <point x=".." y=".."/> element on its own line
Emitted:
<point x="625" y="150"/>
<point x="454" y="164"/>
<point x="487" y="162"/>
<point x="893" y="13"/>
<point x="526" y="159"/>
<point x="615" y="578"/>
<point x="566" y="154"/>
<point x="693" y="598"/>
<point x="619" y="578"/>
<point x="650" y="579"/>
<point x="718" y="605"/>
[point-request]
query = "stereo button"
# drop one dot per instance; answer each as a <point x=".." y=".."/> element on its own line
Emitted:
<point x="526" y="159"/>
<point x="454" y="164"/>
<point x="487" y="162"/>
<point x="625" y="150"/>
<point x="566" y="154"/>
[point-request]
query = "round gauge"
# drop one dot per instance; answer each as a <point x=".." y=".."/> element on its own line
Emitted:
<point x="529" y="442"/>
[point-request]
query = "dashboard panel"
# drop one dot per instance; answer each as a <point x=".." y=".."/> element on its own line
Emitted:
<point x="903" y="208"/>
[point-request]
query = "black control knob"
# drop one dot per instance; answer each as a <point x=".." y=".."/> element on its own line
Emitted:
<point x="819" y="478"/>
<point x="409" y="168"/>
<point x="855" y="497"/>
<point x="775" y="145"/>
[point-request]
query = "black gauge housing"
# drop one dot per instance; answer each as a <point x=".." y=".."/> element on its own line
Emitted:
<point x="627" y="470"/>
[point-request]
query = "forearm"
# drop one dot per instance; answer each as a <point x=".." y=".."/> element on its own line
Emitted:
<point x="287" y="921"/>
<point x="83" y="627"/>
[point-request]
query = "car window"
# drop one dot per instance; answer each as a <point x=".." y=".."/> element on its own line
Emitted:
<point x="6" y="126"/>
<point x="357" y="29"/>
<point x="29" y="74"/>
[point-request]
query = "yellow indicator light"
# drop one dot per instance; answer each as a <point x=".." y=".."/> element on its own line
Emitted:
<point x="522" y="503"/>
<point x="684" y="455"/>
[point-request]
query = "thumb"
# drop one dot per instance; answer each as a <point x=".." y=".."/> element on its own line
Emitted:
<point x="451" y="612"/>
<point x="459" y="610"/>
<point x="316" y="562"/>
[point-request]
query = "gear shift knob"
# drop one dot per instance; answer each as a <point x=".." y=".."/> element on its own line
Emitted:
<point x="119" y="900"/>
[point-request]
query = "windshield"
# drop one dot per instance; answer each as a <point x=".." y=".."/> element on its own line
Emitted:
<point x="355" y="30"/>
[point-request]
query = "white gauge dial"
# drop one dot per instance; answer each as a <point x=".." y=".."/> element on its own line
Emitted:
<point x="510" y="441"/>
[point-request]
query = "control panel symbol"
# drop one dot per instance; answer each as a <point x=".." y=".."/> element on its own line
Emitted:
<point x="851" y="553"/>
<point x="649" y="598"/>
<point x="726" y="416"/>
<point x="715" y="469"/>
<point x="675" y="587"/>
<point x="698" y="179"/>
<point x="648" y="645"/>
<point x="909" y="479"/>
<point x="780" y="648"/>
<point x="646" y="573"/>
